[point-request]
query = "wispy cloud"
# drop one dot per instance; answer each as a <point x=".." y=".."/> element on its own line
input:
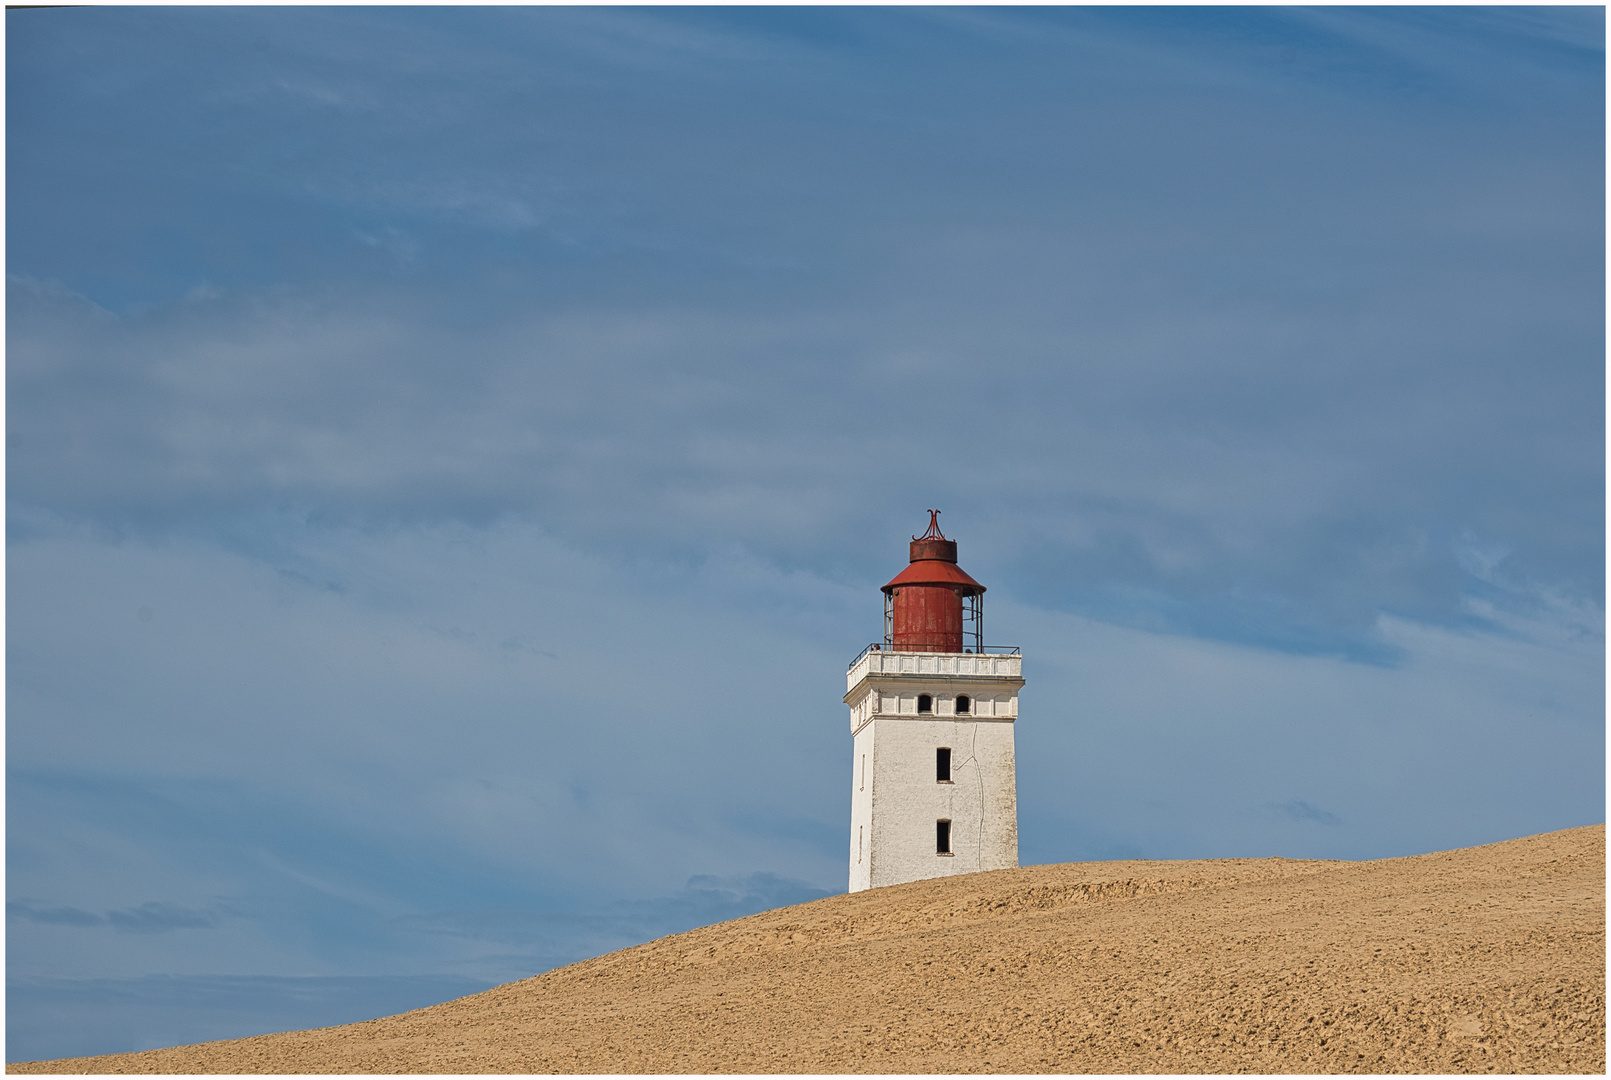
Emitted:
<point x="62" y="916"/>
<point x="1302" y="811"/>
<point x="157" y="918"/>
<point x="152" y="917"/>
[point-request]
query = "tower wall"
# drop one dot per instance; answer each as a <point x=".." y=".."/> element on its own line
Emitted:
<point x="896" y="795"/>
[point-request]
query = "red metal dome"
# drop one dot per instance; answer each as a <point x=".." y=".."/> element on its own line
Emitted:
<point x="935" y="572"/>
<point x="923" y="606"/>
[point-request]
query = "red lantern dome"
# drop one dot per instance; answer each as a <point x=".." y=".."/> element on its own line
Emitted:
<point x="932" y="605"/>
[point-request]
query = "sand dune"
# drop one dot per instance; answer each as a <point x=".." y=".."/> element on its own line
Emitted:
<point x="1488" y="959"/>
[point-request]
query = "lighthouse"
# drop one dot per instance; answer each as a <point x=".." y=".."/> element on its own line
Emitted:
<point x="933" y="790"/>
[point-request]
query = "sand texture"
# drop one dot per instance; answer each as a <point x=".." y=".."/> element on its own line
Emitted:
<point x="1488" y="959"/>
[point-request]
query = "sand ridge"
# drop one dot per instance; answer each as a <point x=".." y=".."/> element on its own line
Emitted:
<point x="1488" y="959"/>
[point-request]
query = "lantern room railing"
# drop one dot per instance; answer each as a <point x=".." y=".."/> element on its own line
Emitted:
<point x="985" y="650"/>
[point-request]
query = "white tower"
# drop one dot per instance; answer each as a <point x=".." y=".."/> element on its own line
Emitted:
<point x="934" y="789"/>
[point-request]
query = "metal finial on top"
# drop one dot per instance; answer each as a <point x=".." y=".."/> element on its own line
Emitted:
<point x="934" y="532"/>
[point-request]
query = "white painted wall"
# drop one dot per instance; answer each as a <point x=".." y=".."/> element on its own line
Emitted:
<point x="896" y="797"/>
<point x="877" y="662"/>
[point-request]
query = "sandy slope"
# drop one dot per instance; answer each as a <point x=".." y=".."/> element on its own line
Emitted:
<point x="1485" y="959"/>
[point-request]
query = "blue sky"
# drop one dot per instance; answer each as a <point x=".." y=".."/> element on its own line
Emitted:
<point x="452" y="453"/>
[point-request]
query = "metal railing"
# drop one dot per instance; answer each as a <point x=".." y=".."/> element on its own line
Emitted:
<point x="884" y="646"/>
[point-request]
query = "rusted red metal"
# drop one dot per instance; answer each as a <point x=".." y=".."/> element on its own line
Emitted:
<point x="927" y="597"/>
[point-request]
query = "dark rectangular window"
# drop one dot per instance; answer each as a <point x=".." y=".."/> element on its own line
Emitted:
<point x="942" y="765"/>
<point x="942" y="837"/>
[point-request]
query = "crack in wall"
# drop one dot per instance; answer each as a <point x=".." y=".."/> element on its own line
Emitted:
<point x="979" y="787"/>
<point x="977" y="783"/>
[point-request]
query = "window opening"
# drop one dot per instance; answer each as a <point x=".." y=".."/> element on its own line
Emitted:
<point x="925" y="703"/>
<point x="963" y="704"/>
<point x="942" y="837"/>
<point x="859" y="830"/>
<point x="942" y="765"/>
<point x="864" y="772"/>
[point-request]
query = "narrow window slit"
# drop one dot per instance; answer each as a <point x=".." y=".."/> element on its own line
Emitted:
<point x="942" y="765"/>
<point x="942" y="837"/>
